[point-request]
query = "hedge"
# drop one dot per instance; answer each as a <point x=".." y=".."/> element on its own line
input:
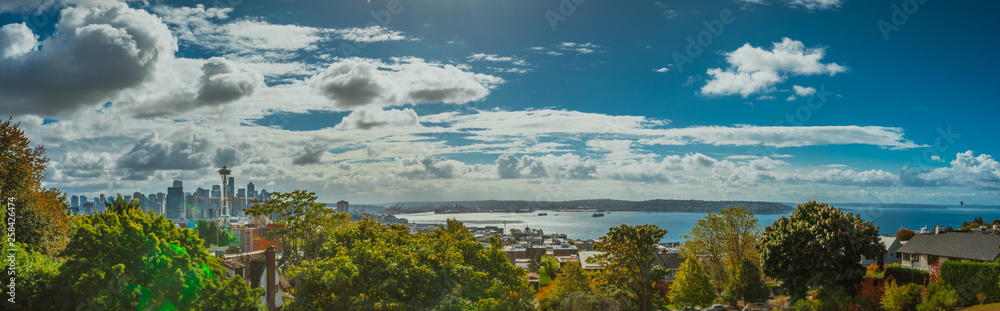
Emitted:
<point x="971" y="278"/>
<point x="907" y="275"/>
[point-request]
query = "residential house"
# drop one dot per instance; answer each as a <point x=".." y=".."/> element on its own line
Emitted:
<point x="926" y="249"/>
<point x="891" y="245"/>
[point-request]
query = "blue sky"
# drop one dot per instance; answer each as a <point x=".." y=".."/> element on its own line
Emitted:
<point x="779" y="100"/>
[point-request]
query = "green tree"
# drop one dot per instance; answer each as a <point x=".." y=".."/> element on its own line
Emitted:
<point x="628" y="261"/>
<point x="35" y="273"/>
<point x="900" y="298"/>
<point x="571" y="280"/>
<point x="367" y="265"/>
<point x="123" y="258"/>
<point x="722" y="241"/>
<point x="691" y="286"/>
<point x="41" y="220"/>
<point x="213" y="234"/>
<point x="938" y="296"/>
<point x="818" y="242"/>
<point x="551" y="265"/>
<point x="747" y="284"/>
<point x="302" y="223"/>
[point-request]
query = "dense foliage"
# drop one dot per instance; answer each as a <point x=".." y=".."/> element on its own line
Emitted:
<point x="214" y="235"/>
<point x="691" y="287"/>
<point x="747" y="284"/>
<point x="900" y="297"/>
<point x="367" y="265"/>
<point x="41" y="215"/>
<point x="818" y="242"/>
<point x="905" y="234"/>
<point x="628" y="262"/>
<point x="938" y="296"/>
<point x="302" y="224"/>
<point x="722" y="241"/>
<point x="971" y="278"/>
<point x="126" y="259"/>
<point x="906" y="275"/>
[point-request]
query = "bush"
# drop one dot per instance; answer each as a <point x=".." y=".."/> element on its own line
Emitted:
<point x="906" y="275"/>
<point x="870" y="294"/>
<point x="971" y="278"/>
<point x="901" y="297"/>
<point x="807" y="305"/>
<point x="938" y="296"/>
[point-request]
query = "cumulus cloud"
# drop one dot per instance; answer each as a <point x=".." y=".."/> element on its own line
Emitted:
<point x="368" y="118"/>
<point x="566" y="166"/>
<point x="312" y="153"/>
<point x="85" y="164"/>
<point x="221" y="82"/>
<point x="967" y="170"/>
<point x="16" y="40"/>
<point x="426" y="167"/>
<point x="756" y="70"/>
<point x="357" y="82"/>
<point x="25" y="5"/>
<point x="803" y="91"/>
<point x="182" y="151"/>
<point x="650" y="171"/>
<point x="95" y="53"/>
<point x="509" y="166"/>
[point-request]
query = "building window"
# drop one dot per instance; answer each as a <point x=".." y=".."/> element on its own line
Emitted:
<point x="931" y="259"/>
<point x="898" y="255"/>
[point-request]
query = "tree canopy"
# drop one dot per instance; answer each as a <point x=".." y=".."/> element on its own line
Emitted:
<point x="691" y="286"/>
<point x="818" y="241"/>
<point x="123" y="258"/>
<point x="628" y="261"/>
<point x="722" y="241"/>
<point x="367" y="265"/>
<point x="41" y="219"/>
<point x="303" y="224"/>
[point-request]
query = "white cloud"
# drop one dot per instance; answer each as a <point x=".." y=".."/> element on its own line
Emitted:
<point x="312" y="153"/>
<point x="569" y="47"/>
<point x="816" y="4"/>
<point x="95" y="54"/>
<point x="662" y="69"/>
<point x="755" y="70"/>
<point x="358" y="82"/>
<point x="778" y="136"/>
<point x="803" y="91"/>
<point x="221" y="82"/>
<point x="497" y="58"/>
<point x="937" y="159"/>
<point x="967" y="170"/>
<point x="368" y="118"/>
<point x="183" y="150"/>
<point x="16" y="40"/>
<point x="370" y="34"/>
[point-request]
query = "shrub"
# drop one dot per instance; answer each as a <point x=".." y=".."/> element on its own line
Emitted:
<point x="870" y="294"/>
<point x="807" y="305"/>
<point x="906" y="275"/>
<point x="872" y="270"/>
<point x="938" y="296"/>
<point x="900" y="297"/>
<point x="905" y="234"/>
<point x="971" y="278"/>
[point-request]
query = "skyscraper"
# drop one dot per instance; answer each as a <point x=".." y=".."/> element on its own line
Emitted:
<point x="175" y="201"/>
<point x="139" y="197"/>
<point x="161" y="203"/>
<point x="251" y="192"/>
<point x="232" y="186"/>
<point x="74" y="201"/>
<point x="342" y="206"/>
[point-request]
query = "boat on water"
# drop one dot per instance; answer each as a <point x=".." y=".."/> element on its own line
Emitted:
<point x="598" y="214"/>
<point x="542" y="214"/>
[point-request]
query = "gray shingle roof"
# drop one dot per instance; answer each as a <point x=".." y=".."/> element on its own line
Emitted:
<point x="955" y="245"/>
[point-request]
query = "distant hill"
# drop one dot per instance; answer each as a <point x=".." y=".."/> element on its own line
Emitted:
<point x="660" y="205"/>
<point x="913" y="205"/>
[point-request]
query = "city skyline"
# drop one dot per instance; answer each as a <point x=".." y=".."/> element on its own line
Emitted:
<point x="388" y="101"/>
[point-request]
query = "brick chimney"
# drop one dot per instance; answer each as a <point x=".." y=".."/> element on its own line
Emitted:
<point x="270" y="277"/>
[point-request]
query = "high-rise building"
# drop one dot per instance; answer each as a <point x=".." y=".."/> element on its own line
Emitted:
<point x="161" y="203"/>
<point x="342" y="206"/>
<point x="128" y="198"/>
<point x="190" y="212"/>
<point x="251" y="192"/>
<point x="139" y="197"/>
<point x="231" y="193"/>
<point x="74" y="201"/>
<point x="175" y="201"/>
<point x="83" y="199"/>
<point x="201" y="202"/>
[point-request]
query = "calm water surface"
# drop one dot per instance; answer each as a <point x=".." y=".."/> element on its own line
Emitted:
<point x="580" y="225"/>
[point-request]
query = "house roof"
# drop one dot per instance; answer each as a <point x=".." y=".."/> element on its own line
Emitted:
<point x="887" y="241"/>
<point x="668" y="260"/>
<point x="974" y="246"/>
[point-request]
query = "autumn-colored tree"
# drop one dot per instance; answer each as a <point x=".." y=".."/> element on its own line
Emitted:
<point x="905" y="234"/>
<point x="124" y="259"/>
<point x="691" y="287"/>
<point x="722" y="241"/>
<point x="628" y="253"/>
<point x="571" y="281"/>
<point x="818" y="242"/>
<point x="40" y="213"/>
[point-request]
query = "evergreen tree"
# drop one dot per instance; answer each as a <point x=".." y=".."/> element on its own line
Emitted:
<point x="747" y="284"/>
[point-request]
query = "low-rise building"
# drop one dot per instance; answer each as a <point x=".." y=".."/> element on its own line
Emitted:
<point x="891" y="245"/>
<point x="925" y="249"/>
